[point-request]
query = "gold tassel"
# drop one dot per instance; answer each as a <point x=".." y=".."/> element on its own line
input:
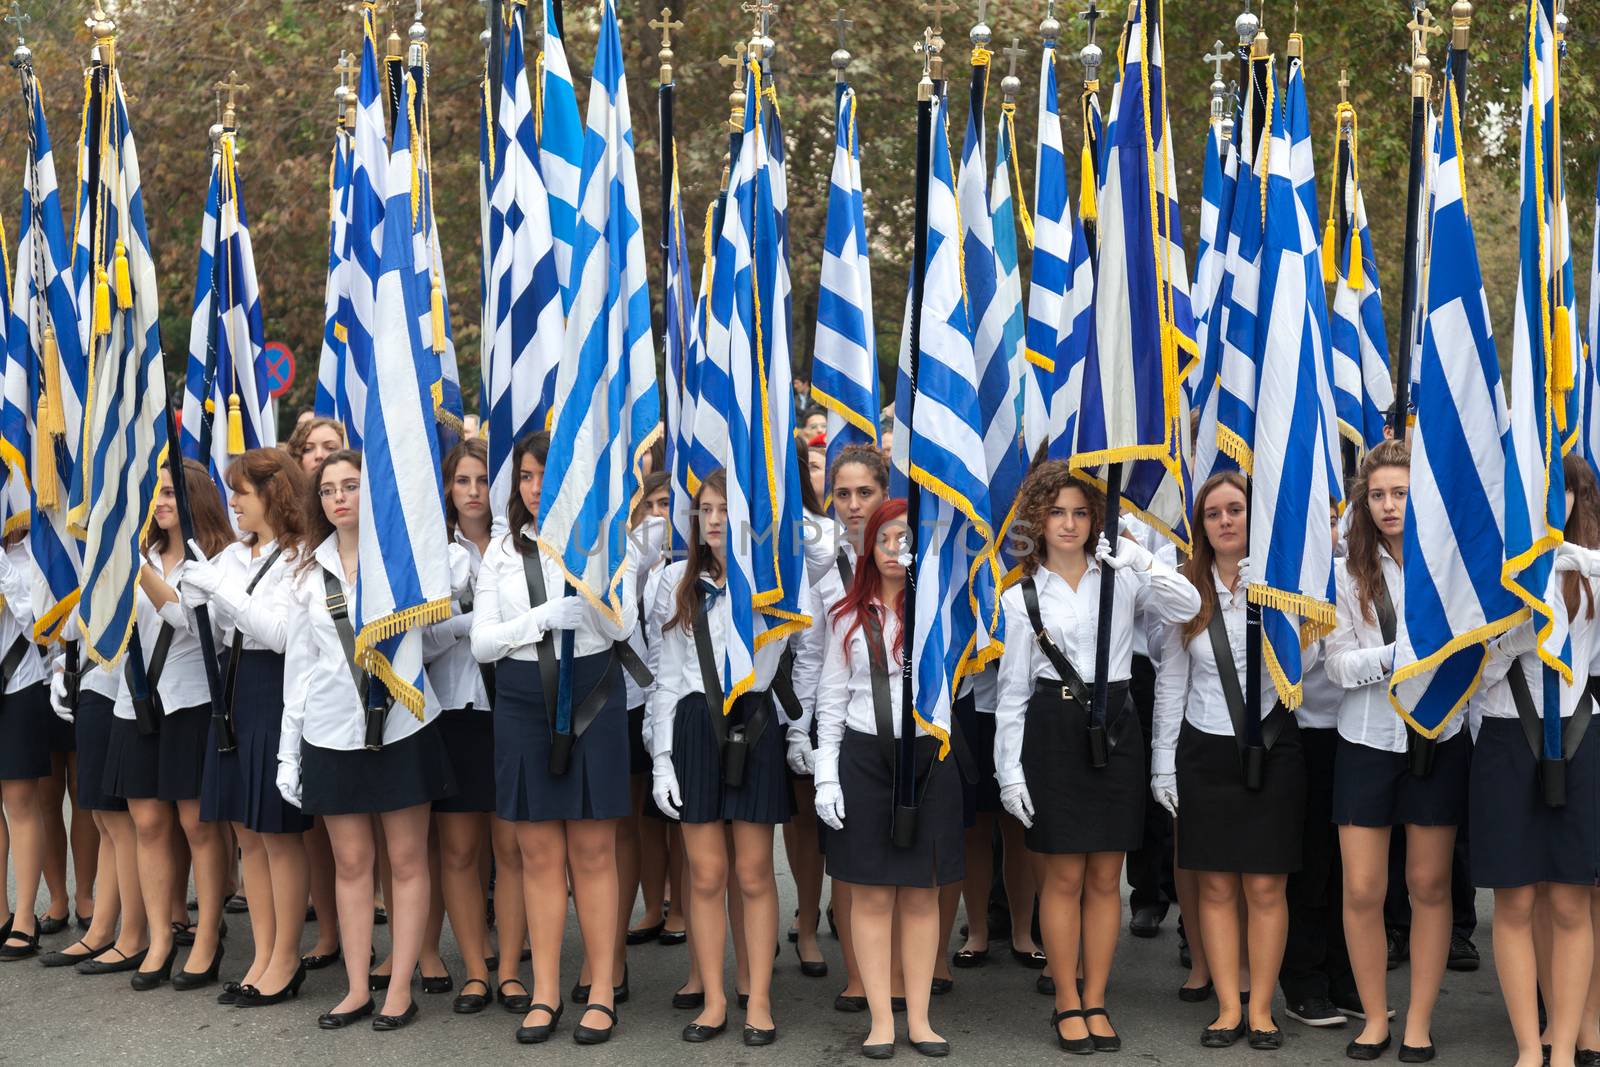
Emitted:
<point x="1087" y="209"/>
<point x="1358" y="272"/>
<point x="235" y="427"/>
<point x="45" y="478"/>
<point x="124" y="282"/>
<point x="52" y="415"/>
<point x="1330" y="253"/>
<point x="102" y="303"/>
<point x="437" y="313"/>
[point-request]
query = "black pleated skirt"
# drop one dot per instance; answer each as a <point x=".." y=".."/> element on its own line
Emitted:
<point x="412" y="771"/>
<point x="638" y="755"/>
<point x="25" y="733"/>
<point x="596" y="783"/>
<point x="468" y="739"/>
<point x="1079" y="808"/>
<point x="1376" y="788"/>
<point x="980" y="792"/>
<point x="1517" y="839"/>
<point x="1222" y="826"/>
<point x="166" y="765"/>
<point x="863" y="852"/>
<point x="93" y="726"/>
<point x="763" y="798"/>
<point x="242" y="786"/>
<point x="63" y="735"/>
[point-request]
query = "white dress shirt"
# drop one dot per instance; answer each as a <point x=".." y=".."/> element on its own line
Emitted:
<point x="1188" y="687"/>
<point x="320" y="701"/>
<point x="810" y="645"/>
<point x="499" y="630"/>
<point x="1071" y="618"/>
<point x="182" y="684"/>
<point x="678" y="662"/>
<point x="1493" y="699"/>
<point x="823" y="536"/>
<point x="16" y="586"/>
<point x="447" y="648"/>
<point x="1320" y="709"/>
<point x="262" y="613"/>
<point x="844" y="694"/>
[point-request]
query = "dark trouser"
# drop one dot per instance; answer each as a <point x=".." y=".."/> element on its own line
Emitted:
<point x="1150" y="868"/>
<point x="1314" y="960"/>
<point x="1463" y="898"/>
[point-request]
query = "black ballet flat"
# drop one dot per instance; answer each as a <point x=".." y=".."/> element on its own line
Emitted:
<point x="1420" y="1053"/>
<point x="338" y="1020"/>
<point x="646" y="935"/>
<point x="1267" y="1040"/>
<point x="471" y="1003"/>
<point x="1587" y="1057"/>
<point x="17" y="945"/>
<point x="878" y="1052"/>
<point x="620" y="993"/>
<point x="144" y="981"/>
<point x="251" y="997"/>
<point x="380" y="917"/>
<point x="811" y="968"/>
<point x="186" y="980"/>
<point x="1078" y="1046"/>
<point x="850" y="1004"/>
<point x="699" y="1033"/>
<point x="1196" y="994"/>
<point x="1044" y="985"/>
<point x="897" y="1003"/>
<point x="932" y="1048"/>
<point x="970" y="957"/>
<point x="516" y="1003"/>
<point x="1034" y="961"/>
<point x="63" y="958"/>
<point x="385" y="1023"/>
<point x="436" y="985"/>
<point x="378" y="983"/>
<point x="1222" y="1037"/>
<point x="230" y="993"/>
<point x="49" y="926"/>
<point x="538" y="1035"/>
<point x="756" y="1037"/>
<point x="673" y="937"/>
<point x="1104" y="1044"/>
<point x="580" y="993"/>
<point x="319" y="962"/>
<point x="1356" y="1050"/>
<point x="744" y="1000"/>
<point x="941" y="986"/>
<point x="593" y="1035"/>
<point x="685" y="1001"/>
<point x="84" y="921"/>
<point x="236" y="905"/>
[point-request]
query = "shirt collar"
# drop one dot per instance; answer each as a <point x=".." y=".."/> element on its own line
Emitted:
<point x="327" y="554"/>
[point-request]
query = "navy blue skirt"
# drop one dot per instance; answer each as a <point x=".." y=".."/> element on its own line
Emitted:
<point x="242" y="786"/>
<point x="402" y="774"/>
<point x="1517" y="839"/>
<point x="93" y="726"/>
<point x="980" y="791"/>
<point x="763" y="798"/>
<point x="63" y="735"/>
<point x="166" y="765"/>
<point x="1375" y="788"/>
<point x="596" y="783"/>
<point x="25" y="733"/>
<point x="468" y="738"/>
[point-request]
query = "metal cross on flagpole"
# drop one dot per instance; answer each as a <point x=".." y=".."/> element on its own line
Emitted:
<point x="934" y="53"/>
<point x="20" y="19"/>
<point x="841" y="56"/>
<point x="1219" y="87"/>
<point x="233" y="87"/>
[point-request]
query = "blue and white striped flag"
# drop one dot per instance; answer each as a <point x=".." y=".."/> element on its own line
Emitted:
<point x="1541" y="372"/>
<point x="437" y="330"/>
<point x="369" y="170"/>
<point x="336" y="293"/>
<point x="844" y="371"/>
<point x="1007" y="466"/>
<point x="524" y="291"/>
<point x="404" y="578"/>
<point x="1051" y="273"/>
<point x="561" y="146"/>
<point x="1589" y="369"/>
<point x="607" y="410"/>
<point x="1213" y="289"/>
<point x="1132" y="407"/>
<point x="682" y="353"/>
<point x="1363" y="389"/>
<point x="1455" y="511"/>
<point x="125" y="428"/>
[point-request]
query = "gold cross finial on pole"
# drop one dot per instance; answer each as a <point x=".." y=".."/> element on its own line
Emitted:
<point x="1344" y="86"/>
<point x="666" y="24"/>
<point x="928" y="48"/>
<point x="736" y="98"/>
<point x="233" y="87"/>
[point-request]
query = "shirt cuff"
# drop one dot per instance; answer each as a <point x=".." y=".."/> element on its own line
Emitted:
<point x="1010" y="774"/>
<point x="1163" y="761"/>
<point x="827" y="771"/>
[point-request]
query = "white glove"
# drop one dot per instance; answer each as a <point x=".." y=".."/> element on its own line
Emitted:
<point x="1164" y="787"/>
<point x="58" y="692"/>
<point x="1520" y="639"/>
<point x="562" y="613"/>
<point x="830" y="804"/>
<point x="1015" y="799"/>
<point x="1388" y="657"/>
<point x="1130" y="554"/>
<point x="802" y="757"/>
<point x="201" y="579"/>
<point x="1571" y="557"/>
<point x="289" y="781"/>
<point x="650" y="537"/>
<point x="1245" y="577"/>
<point x="664" y="786"/>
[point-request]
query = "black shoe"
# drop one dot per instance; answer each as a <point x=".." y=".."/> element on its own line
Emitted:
<point x="338" y="1020"/>
<point x="1034" y="961"/>
<point x="317" y="963"/>
<point x="1196" y="994"/>
<point x="235" y="905"/>
<point x="699" y="1033"/>
<point x="1355" y="1011"/>
<point x="932" y="1048"/>
<point x="537" y="1035"/>
<point x="385" y="1023"/>
<point x="1104" y="1044"/>
<point x="1463" y="954"/>
<point x="648" y="934"/>
<point x="811" y="968"/>
<point x="251" y="997"/>
<point x="17" y="945"/>
<point x="1399" y="946"/>
<point x="1316" y="1011"/>
<point x="897" y="1004"/>
<point x="436" y="985"/>
<point x="380" y="917"/>
<point x="744" y="1000"/>
<point x="85" y="921"/>
<point x="755" y="1037"/>
<point x="311" y="913"/>
<point x="183" y="934"/>
<point x="878" y="1052"/>
<point x="1185" y="960"/>
<point x="186" y="980"/>
<point x="144" y="981"/>
<point x="1417" y="1053"/>
<point x="1221" y="1037"/>
<point x="49" y="926"/>
<point x="850" y="1004"/>
<point x="580" y="993"/>
<point x="1146" y="921"/>
<point x="471" y="1003"/>
<point x="1587" y="1057"/>
<point x="969" y="957"/>
<point x="673" y="937"/>
<point x="592" y="1035"/>
<point x="1078" y="1046"/>
<point x="112" y="962"/>
<point x="688" y="1001"/>
<point x="63" y="958"/>
<point x="1267" y="1040"/>
<point x="620" y="993"/>
<point x="230" y="993"/>
<point x="794" y="928"/>
<point x="1355" y="1050"/>
<point x="516" y="1003"/>
<point x="1044" y="985"/>
<point x="941" y="986"/>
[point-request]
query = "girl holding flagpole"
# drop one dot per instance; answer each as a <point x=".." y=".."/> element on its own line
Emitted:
<point x="1242" y="842"/>
<point x="327" y="767"/>
<point x="1080" y="820"/>
<point x="568" y="817"/>
<point x="1377" y="785"/>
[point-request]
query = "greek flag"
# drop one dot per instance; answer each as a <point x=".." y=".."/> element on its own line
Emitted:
<point x="1002" y="402"/>
<point x="1132" y="407"/>
<point x="1363" y="391"/>
<point x="16" y="422"/>
<point x="369" y="169"/>
<point x="1588" y="379"/>
<point x="125" y="427"/>
<point x="939" y="444"/>
<point x="524" y="291"/>
<point x="404" y="578"/>
<point x="607" y="409"/>
<point x="1075" y="339"/>
<point x="1455" y="511"/>
<point x="683" y="350"/>
<point x="1054" y="231"/>
<point x="429" y="256"/>
<point x="45" y="378"/>
<point x="1213" y="289"/>
<point x="1542" y="371"/>
<point x="561" y="145"/>
<point x="844" y="371"/>
<point x="330" y="400"/>
<point x="227" y="405"/>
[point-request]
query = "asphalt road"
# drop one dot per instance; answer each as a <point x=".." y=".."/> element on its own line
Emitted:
<point x="993" y="1017"/>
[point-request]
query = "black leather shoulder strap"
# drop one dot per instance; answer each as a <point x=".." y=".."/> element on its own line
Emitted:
<point x="545" y="651"/>
<point x="878" y="661"/>
<point x="710" y="680"/>
<point x="339" y="610"/>
<point x="1058" y="659"/>
<point x="236" y="648"/>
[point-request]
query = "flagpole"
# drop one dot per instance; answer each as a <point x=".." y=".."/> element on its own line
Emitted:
<point x="1343" y="221"/>
<point x="494" y="18"/>
<point x="1421" y="83"/>
<point x="1460" y="37"/>
<point x="1260" y="70"/>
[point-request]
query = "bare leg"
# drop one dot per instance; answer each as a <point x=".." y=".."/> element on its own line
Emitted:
<point x="1188" y="886"/>
<point x="678" y="895"/>
<point x="433" y="927"/>
<point x="351" y="839"/>
<point x="319" y="868"/>
<point x="871" y="923"/>
<point x="843" y="899"/>
<point x="918" y="912"/>
<point x="979" y="849"/>
<point x="406" y="840"/>
<point x="460" y="842"/>
<point x="1268" y="925"/>
<point x="152" y="821"/>
<point x="21" y="800"/>
<point x="758" y="887"/>
<point x="510" y="916"/>
<point x="1429" y="851"/>
<point x="1061" y="923"/>
<point x="85" y="843"/>
<point x="257" y="874"/>
<point x="1219" y="925"/>
<point x="804" y="850"/>
<point x="133" y="936"/>
<point x="286" y="865"/>
<point x="706" y="853"/>
<point x="627" y="850"/>
<point x="52" y="793"/>
<point x="1589" y="1030"/>
<point x="1571" y="962"/>
<point x="1364" y="852"/>
<point x="205" y="845"/>
<point x="106" y="904"/>
<point x="653" y="864"/>
<point x="592" y="858"/>
<point x="544" y="887"/>
<point x="1022" y="883"/>
<point x="949" y="904"/>
<point x="1102" y="923"/>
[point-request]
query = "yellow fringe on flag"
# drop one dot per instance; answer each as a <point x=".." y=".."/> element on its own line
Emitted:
<point x="1088" y="210"/>
<point x="1358" y="273"/>
<point x="1330" y="253"/>
<point x="124" y="281"/>
<point x="102" y="303"/>
<point x="437" y="312"/>
<point x="235" y="426"/>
